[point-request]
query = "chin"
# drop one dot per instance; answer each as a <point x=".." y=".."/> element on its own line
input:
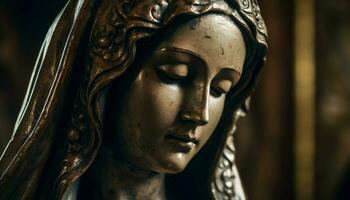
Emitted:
<point x="174" y="164"/>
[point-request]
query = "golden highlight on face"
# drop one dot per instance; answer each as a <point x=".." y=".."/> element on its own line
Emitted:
<point x="176" y="99"/>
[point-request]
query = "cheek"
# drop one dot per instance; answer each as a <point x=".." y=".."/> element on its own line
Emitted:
<point x="153" y="108"/>
<point x="161" y="102"/>
<point x="216" y="109"/>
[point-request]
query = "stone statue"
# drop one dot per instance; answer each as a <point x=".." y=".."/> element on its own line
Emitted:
<point x="137" y="99"/>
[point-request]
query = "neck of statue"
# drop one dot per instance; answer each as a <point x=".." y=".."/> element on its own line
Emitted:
<point x="113" y="178"/>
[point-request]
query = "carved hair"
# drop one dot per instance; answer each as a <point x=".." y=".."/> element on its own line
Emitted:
<point x="117" y="27"/>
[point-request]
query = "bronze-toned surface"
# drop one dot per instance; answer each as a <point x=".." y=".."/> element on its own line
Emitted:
<point x="134" y="89"/>
<point x="265" y="138"/>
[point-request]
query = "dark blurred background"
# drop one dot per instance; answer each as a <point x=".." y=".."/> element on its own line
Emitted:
<point x="295" y="142"/>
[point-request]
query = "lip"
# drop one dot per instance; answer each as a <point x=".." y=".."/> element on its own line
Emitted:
<point x="183" y="138"/>
<point x="183" y="142"/>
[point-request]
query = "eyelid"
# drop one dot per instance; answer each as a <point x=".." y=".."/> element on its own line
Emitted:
<point x="220" y="87"/>
<point x="175" y="70"/>
<point x="224" y="85"/>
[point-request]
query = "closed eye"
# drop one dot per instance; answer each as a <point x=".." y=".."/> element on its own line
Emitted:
<point x="216" y="92"/>
<point x="220" y="88"/>
<point x="173" y="73"/>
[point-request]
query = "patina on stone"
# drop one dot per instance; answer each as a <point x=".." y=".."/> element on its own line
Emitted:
<point x="137" y="100"/>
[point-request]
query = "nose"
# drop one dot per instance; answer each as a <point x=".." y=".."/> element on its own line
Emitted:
<point x="196" y="108"/>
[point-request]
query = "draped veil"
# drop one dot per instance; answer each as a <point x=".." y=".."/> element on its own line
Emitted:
<point x="91" y="43"/>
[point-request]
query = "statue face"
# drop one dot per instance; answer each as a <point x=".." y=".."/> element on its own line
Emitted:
<point x="175" y="101"/>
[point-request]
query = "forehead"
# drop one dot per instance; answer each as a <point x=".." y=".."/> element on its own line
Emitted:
<point x="216" y="39"/>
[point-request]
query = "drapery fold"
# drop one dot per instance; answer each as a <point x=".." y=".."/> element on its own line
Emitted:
<point x="23" y="163"/>
<point x="32" y="137"/>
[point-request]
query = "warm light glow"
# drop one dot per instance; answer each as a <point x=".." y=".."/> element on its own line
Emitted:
<point x="304" y="98"/>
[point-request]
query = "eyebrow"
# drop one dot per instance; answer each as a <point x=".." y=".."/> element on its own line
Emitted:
<point x="191" y="53"/>
<point x="181" y="50"/>
<point x="233" y="69"/>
